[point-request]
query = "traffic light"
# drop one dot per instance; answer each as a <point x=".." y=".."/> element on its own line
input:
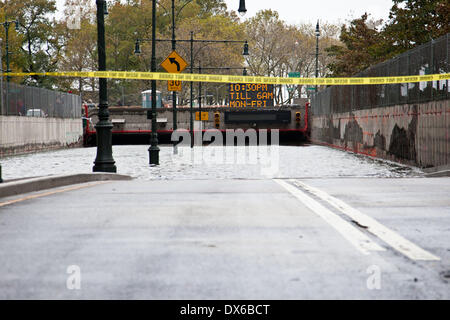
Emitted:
<point x="217" y="119"/>
<point x="298" y="117"/>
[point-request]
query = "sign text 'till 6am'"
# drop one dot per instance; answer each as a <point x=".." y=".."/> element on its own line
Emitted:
<point x="251" y="95"/>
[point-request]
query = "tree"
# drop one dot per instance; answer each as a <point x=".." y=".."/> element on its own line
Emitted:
<point x="363" y="46"/>
<point x="15" y="40"/>
<point x="414" y="22"/>
<point x="39" y="46"/>
<point x="278" y="49"/>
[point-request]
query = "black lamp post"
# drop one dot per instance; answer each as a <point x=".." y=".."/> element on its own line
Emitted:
<point x="207" y="42"/>
<point x="191" y="122"/>
<point x="137" y="50"/>
<point x="242" y="10"/>
<point x="154" y="149"/>
<point x="317" y="51"/>
<point x="104" y="161"/>
<point x="174" y="93"/>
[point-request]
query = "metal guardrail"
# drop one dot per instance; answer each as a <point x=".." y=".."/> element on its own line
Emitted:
<point x="19" y="100"/>
<point x="429" y="58"/>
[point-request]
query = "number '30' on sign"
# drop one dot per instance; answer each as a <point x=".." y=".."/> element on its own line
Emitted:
<point x="174" y="85"/>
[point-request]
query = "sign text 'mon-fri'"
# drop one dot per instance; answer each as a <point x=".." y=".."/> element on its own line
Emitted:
<point x="251" y="95"/>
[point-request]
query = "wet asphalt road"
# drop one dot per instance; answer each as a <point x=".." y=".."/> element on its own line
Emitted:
<point x="230" y="239"/>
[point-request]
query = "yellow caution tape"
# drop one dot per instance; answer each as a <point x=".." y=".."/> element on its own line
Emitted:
<point x="239" y="79"/>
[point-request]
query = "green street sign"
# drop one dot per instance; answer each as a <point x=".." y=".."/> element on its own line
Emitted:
<point x="311" y="88"/>
<point x="294" y="74"/>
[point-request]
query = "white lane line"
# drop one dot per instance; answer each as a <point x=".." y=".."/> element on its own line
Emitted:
<point x="396" y="241"/>
<point x="358" y="239"/>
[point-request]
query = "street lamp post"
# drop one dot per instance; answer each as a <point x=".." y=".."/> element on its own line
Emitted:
<point x="104" y="161"/>
<point x="242" y="10"/>
<point x="1" y="81"/>
<point x="317" y="51"/>
<point x="174" y="93"/>
<point x="6" y="25"/>
<point x="154" y="149"/>
<point x="191" y="127"/>
<point x="207" y="42"/>
<point x="137" y="50"/>
<point x="200" y="99"/>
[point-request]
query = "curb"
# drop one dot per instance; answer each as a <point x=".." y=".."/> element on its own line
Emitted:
<point x="438" y="174"/>
<point x="8" y="189"/>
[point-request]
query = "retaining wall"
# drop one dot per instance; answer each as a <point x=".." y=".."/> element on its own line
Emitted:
<point x="414" y="134"/>
<point x="20" y="135"/>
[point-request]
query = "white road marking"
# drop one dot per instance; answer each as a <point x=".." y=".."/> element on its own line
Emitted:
<point x="393" y="239"/>
<point x="358" y="239"/>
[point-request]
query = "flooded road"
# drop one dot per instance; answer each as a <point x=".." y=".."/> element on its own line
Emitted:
<point x="211" y="163"/>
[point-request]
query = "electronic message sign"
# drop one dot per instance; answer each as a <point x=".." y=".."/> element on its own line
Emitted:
<point x="250" y="95"/>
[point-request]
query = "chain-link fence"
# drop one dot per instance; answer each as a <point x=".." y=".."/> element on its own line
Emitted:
<point x="18" y="100"/>
<point x="430" y="58"/>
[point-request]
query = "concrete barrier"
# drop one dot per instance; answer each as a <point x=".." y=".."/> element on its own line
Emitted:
<point x="12" y="188"/>
<point x="414" y="134"/>
<point x="437" y="172"/>
<point x="20" y="135"/>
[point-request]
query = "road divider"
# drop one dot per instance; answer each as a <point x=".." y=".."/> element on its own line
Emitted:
<point x="237" y="79"/>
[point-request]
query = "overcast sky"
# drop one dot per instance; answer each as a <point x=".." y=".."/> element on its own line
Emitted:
<point x="301" y="11"/>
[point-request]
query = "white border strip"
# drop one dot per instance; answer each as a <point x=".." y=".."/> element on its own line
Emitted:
<point x="362" y="242"/>
<point x="396" y="241"/>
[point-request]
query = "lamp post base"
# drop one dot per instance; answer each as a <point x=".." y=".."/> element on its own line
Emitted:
<point x="154" y="155"/>
<point x="104" y="161"/>
<point x="108" y="167"/>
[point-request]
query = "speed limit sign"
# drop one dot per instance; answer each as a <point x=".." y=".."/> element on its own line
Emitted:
<point x="174" y="85"/>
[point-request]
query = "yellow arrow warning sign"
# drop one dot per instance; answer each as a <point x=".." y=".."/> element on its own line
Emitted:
<point x="174" y="63"/>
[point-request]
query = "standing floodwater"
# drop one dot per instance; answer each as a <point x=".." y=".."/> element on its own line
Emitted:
<point x="206" y="163"/>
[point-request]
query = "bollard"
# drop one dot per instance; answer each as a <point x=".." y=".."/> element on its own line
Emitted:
<point x="1" y="180"/>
